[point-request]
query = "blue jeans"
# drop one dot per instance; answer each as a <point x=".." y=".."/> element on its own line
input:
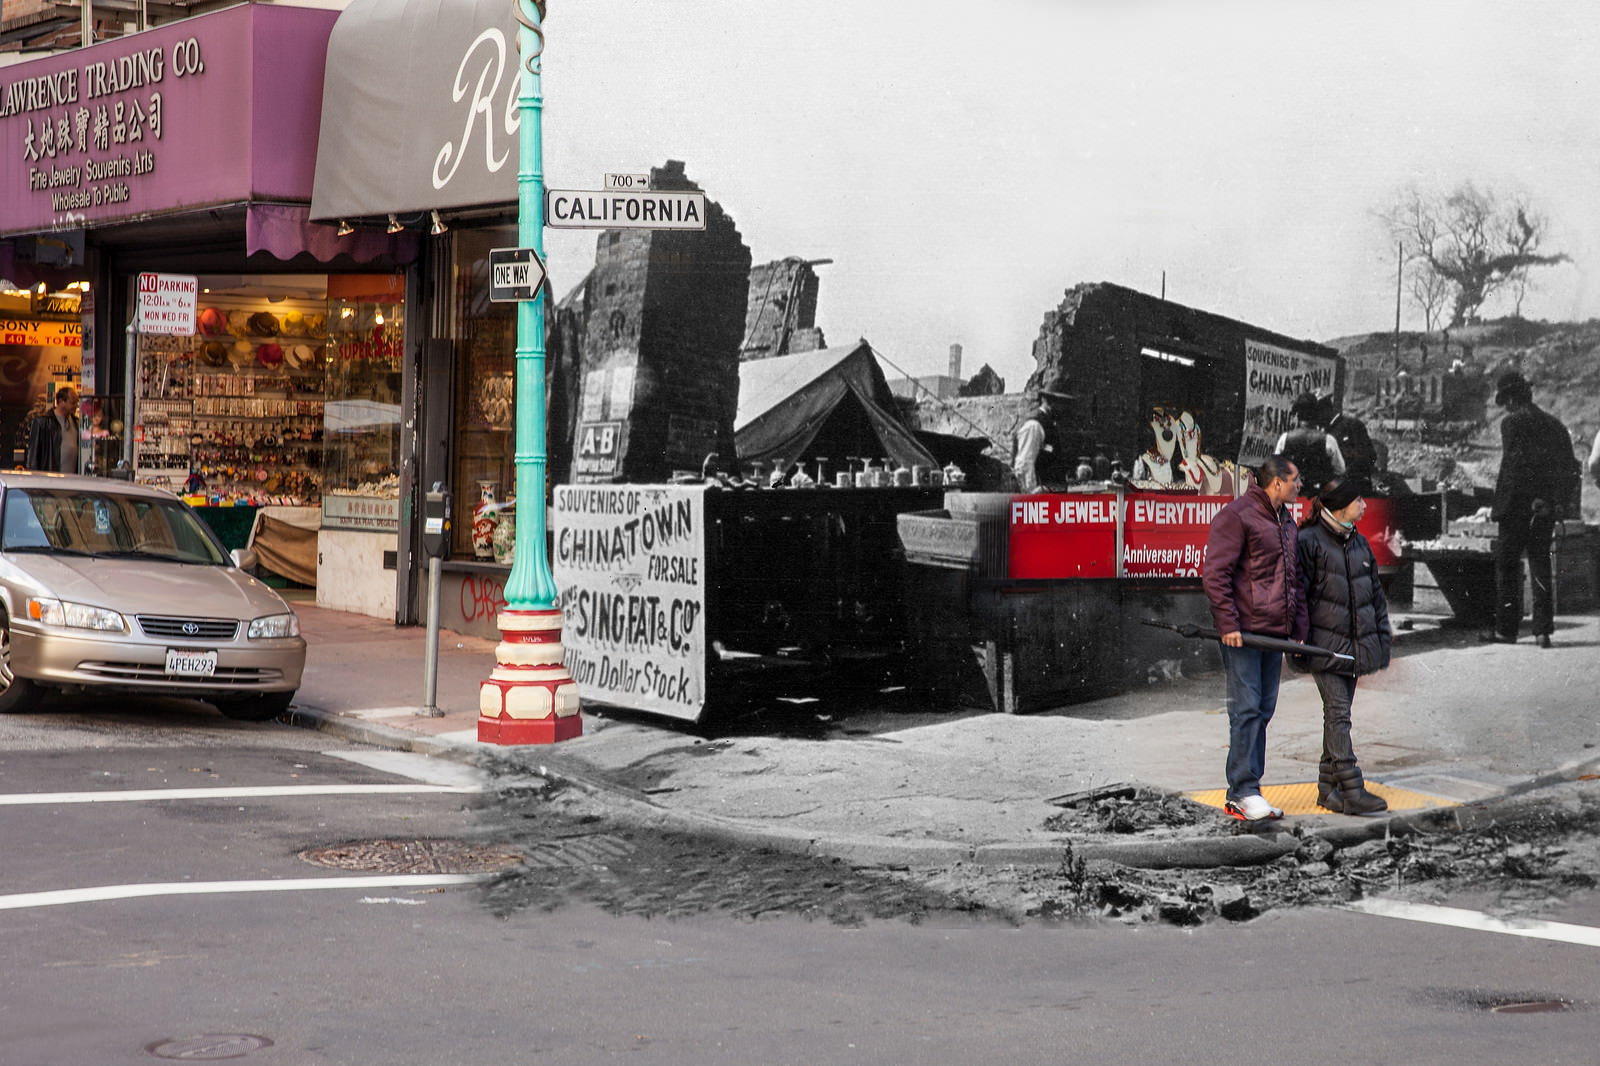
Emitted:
<point x="1252" y="698"/>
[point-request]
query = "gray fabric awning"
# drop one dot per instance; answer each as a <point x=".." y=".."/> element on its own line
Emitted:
<point x="786" y="402"/>
<point x="419" y="109"/>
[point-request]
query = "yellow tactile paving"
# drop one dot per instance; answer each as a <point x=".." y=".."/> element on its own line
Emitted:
<point x="1302" y="798"/>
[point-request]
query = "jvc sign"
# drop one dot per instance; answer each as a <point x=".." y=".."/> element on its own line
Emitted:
<point x="515" y="274"/>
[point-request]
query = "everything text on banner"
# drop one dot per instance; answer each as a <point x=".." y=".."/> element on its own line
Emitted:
<point x="1163" y="535"/>
<point x="629" y="561"/>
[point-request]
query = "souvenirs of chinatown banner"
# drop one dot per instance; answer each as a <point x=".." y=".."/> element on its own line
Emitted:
<point x="629" y="561"/>
<point x="1273" y="378"/>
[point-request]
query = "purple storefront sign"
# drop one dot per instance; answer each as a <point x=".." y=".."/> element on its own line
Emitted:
<point x="217" y="109"/>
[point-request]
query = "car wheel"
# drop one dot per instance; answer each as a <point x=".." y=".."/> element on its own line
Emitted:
<point x="260" y="708"/>
<point x="16" y="693"/>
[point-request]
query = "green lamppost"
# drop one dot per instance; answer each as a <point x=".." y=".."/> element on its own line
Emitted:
<point x="530" y="698"/>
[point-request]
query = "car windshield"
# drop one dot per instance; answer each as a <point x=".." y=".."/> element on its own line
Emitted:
<point x="78" y="522"/>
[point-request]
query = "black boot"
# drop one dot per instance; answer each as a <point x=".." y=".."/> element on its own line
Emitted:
<point x="1328" y="792"/>
<point x="1354" y="797"/>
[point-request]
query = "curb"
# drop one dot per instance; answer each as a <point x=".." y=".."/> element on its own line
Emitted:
<point x="1246" y="848"/>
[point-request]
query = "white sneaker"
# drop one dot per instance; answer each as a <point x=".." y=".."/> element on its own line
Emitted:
<point x="1252" y="809"/>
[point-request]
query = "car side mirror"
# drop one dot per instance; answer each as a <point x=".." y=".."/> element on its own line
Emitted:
<point x="243" y="558"/>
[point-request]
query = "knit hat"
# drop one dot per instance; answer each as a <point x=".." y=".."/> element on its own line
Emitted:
<point x="1339" y="494"/>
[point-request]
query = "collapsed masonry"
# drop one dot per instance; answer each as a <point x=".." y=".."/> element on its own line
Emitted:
<point x="781" y="318"/>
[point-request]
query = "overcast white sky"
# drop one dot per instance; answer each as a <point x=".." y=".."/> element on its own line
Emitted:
<point x="964" y="164"/>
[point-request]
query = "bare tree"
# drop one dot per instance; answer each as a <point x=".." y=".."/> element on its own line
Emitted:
<point x="1465" y="246"/>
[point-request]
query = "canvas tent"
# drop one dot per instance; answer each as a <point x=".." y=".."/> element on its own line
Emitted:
<point x="832" y="403"/>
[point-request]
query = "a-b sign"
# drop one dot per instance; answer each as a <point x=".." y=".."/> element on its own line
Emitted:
<point x="599" y="448"/>
<point x="515" y="274"/>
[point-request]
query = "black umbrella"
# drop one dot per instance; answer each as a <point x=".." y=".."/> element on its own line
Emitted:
<point x="1252" y="640"/>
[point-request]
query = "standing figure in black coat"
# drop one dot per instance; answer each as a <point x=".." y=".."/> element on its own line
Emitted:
<point x="1349" y="615"/>
<point x="1355" y="444"/>
<point x="1533" y="489"/>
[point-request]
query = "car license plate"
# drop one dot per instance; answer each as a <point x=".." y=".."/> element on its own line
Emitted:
<point x="191" y="663"/>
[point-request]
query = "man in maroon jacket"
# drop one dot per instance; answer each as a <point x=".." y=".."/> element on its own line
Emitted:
<point x="1251" y="576"/>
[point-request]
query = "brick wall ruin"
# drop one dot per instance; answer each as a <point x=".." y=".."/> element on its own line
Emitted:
<point x="661" y="321"/>
<point x="781" y="315"/>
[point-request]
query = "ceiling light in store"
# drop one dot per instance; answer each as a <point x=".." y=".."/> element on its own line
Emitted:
<point x="394" y="225"/>
<point x="345" y="228"/>
<point x="346" y="312"/>
<point x="377" y="318"/>
<point x="41" y="288"/>
<point x="438" y="228"/>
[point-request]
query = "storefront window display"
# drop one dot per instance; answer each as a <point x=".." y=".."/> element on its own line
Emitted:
<point x="234" y="413"/>
<point x="361" y="482"/>
<point x="41" y="350"/>
<point x="484" y="475"/>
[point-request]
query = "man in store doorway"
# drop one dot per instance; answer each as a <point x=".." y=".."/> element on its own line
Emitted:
<point x="53" y="437"/>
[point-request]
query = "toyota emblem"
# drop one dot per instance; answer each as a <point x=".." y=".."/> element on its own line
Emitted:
<point x="190" y="629"/>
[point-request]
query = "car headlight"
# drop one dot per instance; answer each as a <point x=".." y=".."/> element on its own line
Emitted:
<point x="275" y="625"/>
<point x="76" y="616"/>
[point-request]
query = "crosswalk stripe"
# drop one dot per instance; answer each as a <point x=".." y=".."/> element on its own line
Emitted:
<point x="60" y="897"/>
<point x="1461" y="918"/>
<point x="145" y="795"/>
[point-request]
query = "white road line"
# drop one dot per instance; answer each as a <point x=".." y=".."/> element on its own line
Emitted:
<point x="1477" y="920"/>
<point x="145" y="795"/>
<point x="409" y="764"/>
<point x="63" y="896"/>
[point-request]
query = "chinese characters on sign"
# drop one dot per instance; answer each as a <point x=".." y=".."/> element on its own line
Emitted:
<point x="630" y="563"/>
<point x="376" y="514"/>
<point x="86" y="130"/>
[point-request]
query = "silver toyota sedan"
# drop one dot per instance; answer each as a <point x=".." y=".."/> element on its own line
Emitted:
<point x="112" y="588"/>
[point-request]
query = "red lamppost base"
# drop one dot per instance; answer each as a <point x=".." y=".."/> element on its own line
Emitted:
<point x="529" y="698"/>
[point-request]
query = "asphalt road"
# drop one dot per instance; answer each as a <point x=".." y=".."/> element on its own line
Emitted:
<point x="393" y="973"/>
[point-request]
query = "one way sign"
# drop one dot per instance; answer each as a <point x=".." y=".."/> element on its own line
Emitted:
<point x="515" y="274"/>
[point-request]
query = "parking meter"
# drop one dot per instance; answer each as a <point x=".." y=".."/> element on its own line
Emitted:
<point x="436" y="543"/>
<point x="436" y="522"/>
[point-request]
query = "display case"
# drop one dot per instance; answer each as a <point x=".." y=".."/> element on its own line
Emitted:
<point x="234" y="413"/>
<point x="361" y="445"/>
<point x="483" y="476"/>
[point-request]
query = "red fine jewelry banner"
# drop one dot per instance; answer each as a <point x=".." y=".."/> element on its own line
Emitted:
<point x="1055" y="536"/>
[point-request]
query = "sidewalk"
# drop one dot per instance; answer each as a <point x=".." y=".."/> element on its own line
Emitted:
<point x="1452" y="721"/>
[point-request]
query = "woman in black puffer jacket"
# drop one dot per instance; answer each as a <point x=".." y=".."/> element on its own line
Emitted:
<point x="1350" y="615"/>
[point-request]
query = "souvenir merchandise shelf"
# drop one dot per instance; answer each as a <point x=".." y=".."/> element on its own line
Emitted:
<point x="240" y="403"/>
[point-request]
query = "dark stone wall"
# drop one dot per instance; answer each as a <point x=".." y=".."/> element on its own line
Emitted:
<point x="1089" y="346"/>
<point x="666" y="308"/>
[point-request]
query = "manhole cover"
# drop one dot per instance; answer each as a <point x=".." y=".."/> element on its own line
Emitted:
<point x="415" y="856"/>
<point x="208" y="1047"/>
